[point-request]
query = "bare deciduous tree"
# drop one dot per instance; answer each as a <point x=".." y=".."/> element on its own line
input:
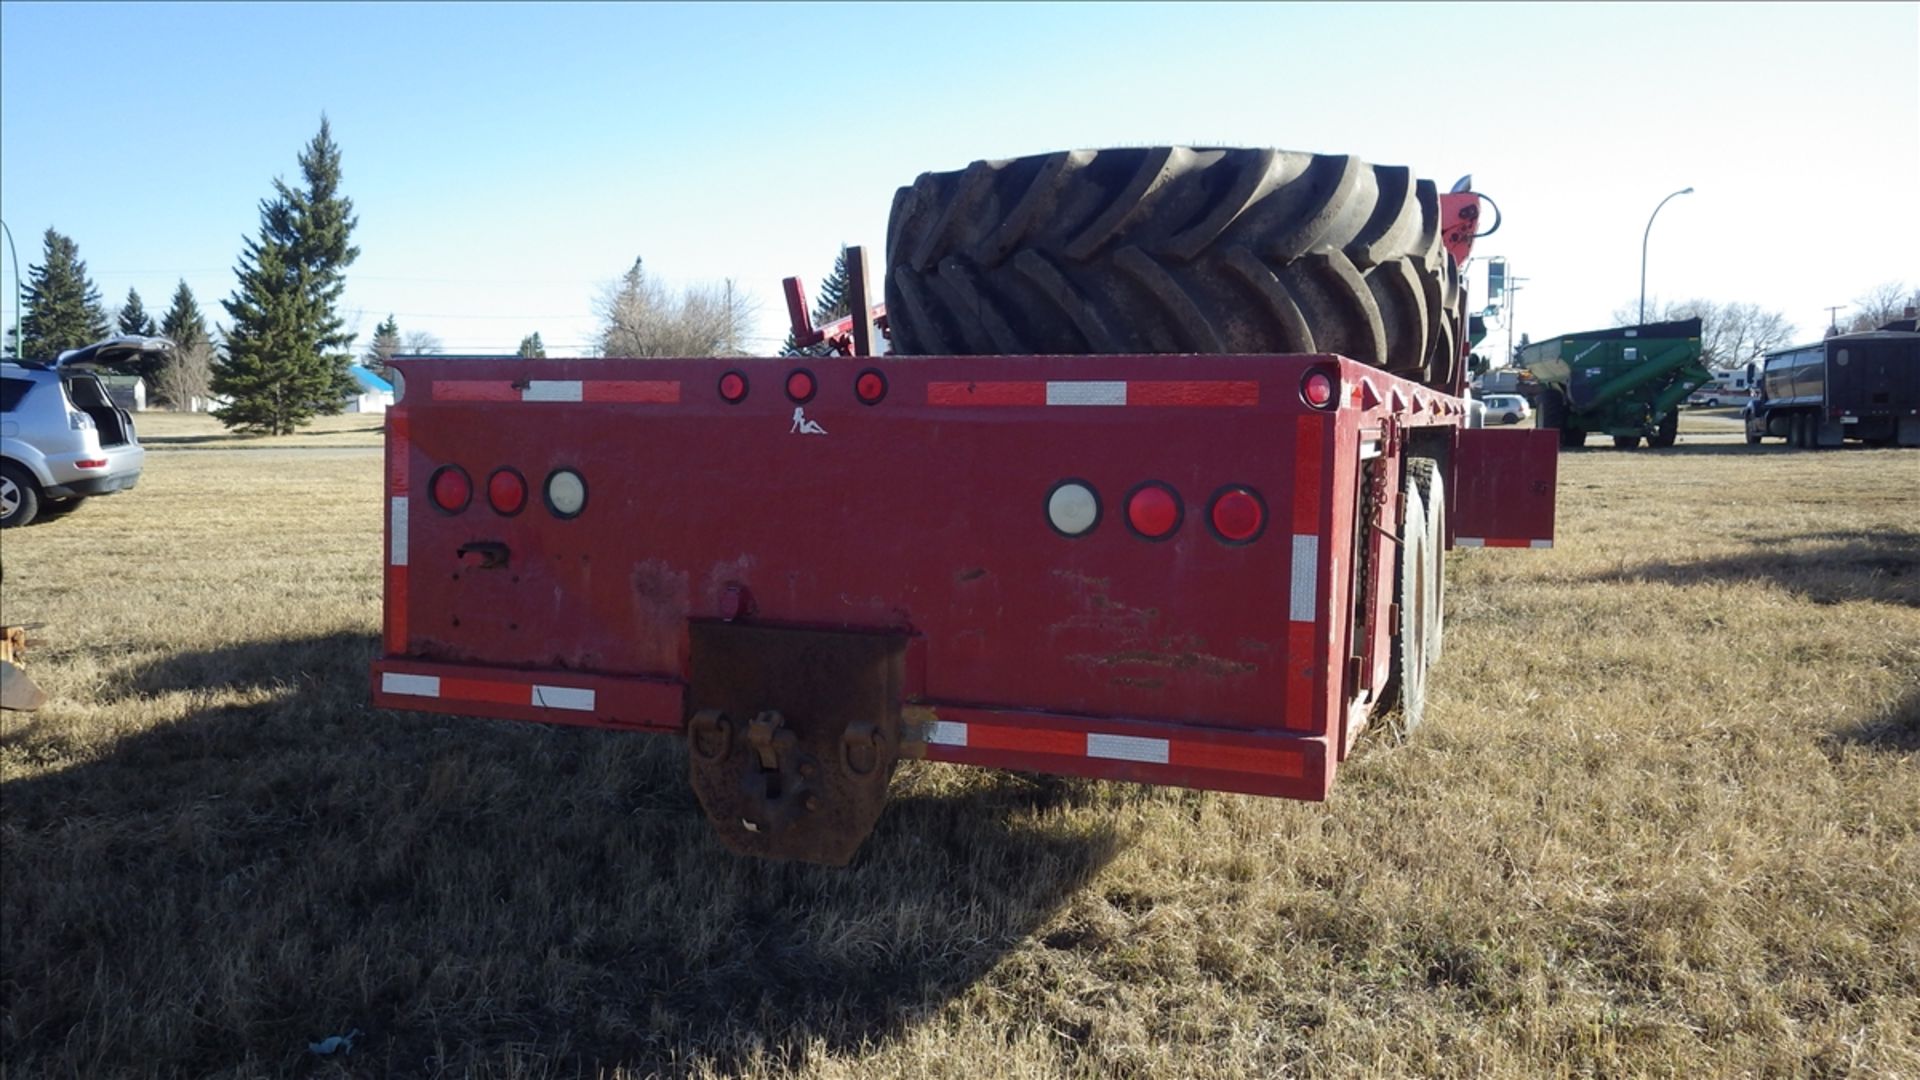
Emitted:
<point x="418" y="343"/>
<point x="638" y="317"/>
<point x="1882" y="304"/>
<point x="1731" y="335"/>
<point x="186" y="379"/>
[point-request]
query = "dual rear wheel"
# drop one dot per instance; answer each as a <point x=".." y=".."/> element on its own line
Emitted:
<point x="1419" y="595"/>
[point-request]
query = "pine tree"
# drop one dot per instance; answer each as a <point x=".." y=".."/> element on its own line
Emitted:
<point x="186" y="372"/>
<point x="134" y="318"/>
<point x="385" y="343"/>
<point x="831" y="304"/>
<point x="286" y="360"/>
<point x="532" y="348"/>
<point x="63" y="307"/>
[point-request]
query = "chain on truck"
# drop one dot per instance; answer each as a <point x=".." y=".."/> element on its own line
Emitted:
<point x="1152" y="485"/>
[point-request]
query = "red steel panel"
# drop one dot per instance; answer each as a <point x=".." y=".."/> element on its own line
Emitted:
<point x="1501" y="493"/>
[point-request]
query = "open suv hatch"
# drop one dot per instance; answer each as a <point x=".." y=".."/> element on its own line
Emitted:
<point x="62" y="438"/>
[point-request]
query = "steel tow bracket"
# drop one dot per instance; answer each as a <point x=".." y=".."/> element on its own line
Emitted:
<point x="793" y="736"/>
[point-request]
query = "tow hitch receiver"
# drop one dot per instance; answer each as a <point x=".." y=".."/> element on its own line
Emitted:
<point x="793" y="736"/>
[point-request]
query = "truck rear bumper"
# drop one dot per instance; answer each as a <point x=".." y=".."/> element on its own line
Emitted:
<point x="1191" y="755"/>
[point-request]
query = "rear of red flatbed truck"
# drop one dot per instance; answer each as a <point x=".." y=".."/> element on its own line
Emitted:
<point x="1170" y="570"/>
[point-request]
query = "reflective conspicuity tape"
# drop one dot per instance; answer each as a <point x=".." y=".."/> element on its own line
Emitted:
<point x="397" y="531"/>
<point x="492" y="691"/>
<point x="1181" y="753"/>
<point x="1302" y="604"/>
<point x="1098" y="392"/>
<point x="1499" y="542"/>
<point x="629" y="391"/>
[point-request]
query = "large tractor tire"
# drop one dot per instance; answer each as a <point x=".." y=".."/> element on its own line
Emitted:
<point x="1668" y="432"/>
<point x="1175" y="250"/>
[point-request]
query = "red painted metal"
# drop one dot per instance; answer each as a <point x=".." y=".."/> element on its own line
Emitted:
<point x="1501" y="493"/>
<point x="1245" y="665"/>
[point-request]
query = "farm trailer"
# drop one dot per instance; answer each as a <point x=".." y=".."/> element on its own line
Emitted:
<point x="1205" y="570"/>
<point x="1627" y="382"/>
<point x="1862" y="386"/>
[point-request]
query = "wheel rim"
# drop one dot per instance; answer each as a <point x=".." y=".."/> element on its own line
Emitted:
<point x="9" y="496"/>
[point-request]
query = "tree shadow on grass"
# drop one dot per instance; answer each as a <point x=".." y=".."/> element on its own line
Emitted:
<point x="1897" y="729"/>
<point x="208" y="896"/>
<point x="1826" y="567"/>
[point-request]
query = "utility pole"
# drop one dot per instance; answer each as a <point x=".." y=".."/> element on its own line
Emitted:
<point x="1513" y="287"/>
<point x="1833" y="319"/>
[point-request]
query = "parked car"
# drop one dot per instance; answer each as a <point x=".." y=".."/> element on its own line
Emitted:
<point x="62" y="439"/>
<point x="1506" y="409"/>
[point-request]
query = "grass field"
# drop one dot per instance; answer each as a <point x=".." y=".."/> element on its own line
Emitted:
<point x="1663" y="819"/>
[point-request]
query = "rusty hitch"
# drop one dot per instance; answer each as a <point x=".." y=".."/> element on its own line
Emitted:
<point x="793" y="736"/>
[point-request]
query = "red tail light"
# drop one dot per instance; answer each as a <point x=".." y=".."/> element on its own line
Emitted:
<point x="507" y="491"/>
<point x="733" y="387"/>
<point x="451" y="488"/>
<point x="870" y="387"/>
<point x="1317" y="389"/>
<point x="1153" y="510"/>
<point x="1239" y="515"/>
<point x="90" y="463"/>
<point x="800" y="386"/>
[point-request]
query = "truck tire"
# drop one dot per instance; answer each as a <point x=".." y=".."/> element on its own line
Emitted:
<point x="19" y="496"/>
<point x="1428" y="480"/>
<point x="1412" y="570"/>
<point x="1175" y="249"/>
<point x="1668" y="433"/>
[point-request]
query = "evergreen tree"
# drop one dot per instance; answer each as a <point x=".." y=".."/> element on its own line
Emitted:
<point x="286" y="360"/>
<point x="832" y="303"/>
<point x="385" y="343"/>
<point x="531" y="347"/>
<point x="63" y="307"/>
<point x="134" y="318"/>
<point x="185" y="374"/>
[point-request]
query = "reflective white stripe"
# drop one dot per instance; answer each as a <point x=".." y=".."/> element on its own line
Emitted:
<point x="411" y="685"/>
<point x="1301" y="604"/>
<point x="1086" y="393"/>
<point x="552" y="390"/>
<point x="947" y="733"/>
<point x="563" y="697"/>
<point x="397" y="526"/>
<point x="1127" y="748"/>
<point x="1540" y="543"/>
<point x="1468" y="541"/>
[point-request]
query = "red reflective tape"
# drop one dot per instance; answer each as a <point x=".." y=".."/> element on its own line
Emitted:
<point x="986" y="393"/>
<point x="1308" y="451"/>
<point x="474" y="390"/>
<point x="397" y="447"/>
<point x="1243" y="759"/>
<point x="499" y="693"/>
<point x="643" y="391"/>
<point x="1495" y="541"/>
<point x="1027" y="740"/>
<point x="396" y="620"/>
<point x="1303" y="663"/>
<point x="1193" y="393"/>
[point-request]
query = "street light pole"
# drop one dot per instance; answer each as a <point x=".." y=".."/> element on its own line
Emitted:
<point x="1643" y="252"/>
<point x="19" y="310"/>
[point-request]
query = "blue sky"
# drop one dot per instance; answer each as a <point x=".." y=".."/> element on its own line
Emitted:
<point x="507" y="161"/>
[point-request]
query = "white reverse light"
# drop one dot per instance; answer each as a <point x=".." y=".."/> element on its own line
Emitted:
<point x="566" y="493"/>
<point x="1073" y="508"/>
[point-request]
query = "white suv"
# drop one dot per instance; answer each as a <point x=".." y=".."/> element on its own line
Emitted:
<point x="62" y="438"/>
<point x="1506" y="409"/>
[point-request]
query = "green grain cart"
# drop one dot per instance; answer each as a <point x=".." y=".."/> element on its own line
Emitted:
<point x="1627" y="382"/>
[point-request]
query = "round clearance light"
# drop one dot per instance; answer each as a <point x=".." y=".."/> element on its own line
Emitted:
<point x="870" y="387"/>
<point x="1317" y="389"/>
<point x="451" y="489"/>
<point x="1072" y="508"/>
<point x="800" y="386"/>
<point x="566" y="493"/>
<point x="733" y="388"/>
<point x="399" y="386"/>
<point x="507" y="491"/>
<point x="1153" y="510"/>
<point x="1239" y="515"/>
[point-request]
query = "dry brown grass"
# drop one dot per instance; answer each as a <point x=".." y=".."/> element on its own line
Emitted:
<point x="1664" y="819"/>
<point x="175" y="430"/>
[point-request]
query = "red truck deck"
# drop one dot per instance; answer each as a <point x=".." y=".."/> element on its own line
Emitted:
<point x="1173" y="570"/>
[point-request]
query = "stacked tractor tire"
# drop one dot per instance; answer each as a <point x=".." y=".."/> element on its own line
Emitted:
<point x="1175" y="250"/>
